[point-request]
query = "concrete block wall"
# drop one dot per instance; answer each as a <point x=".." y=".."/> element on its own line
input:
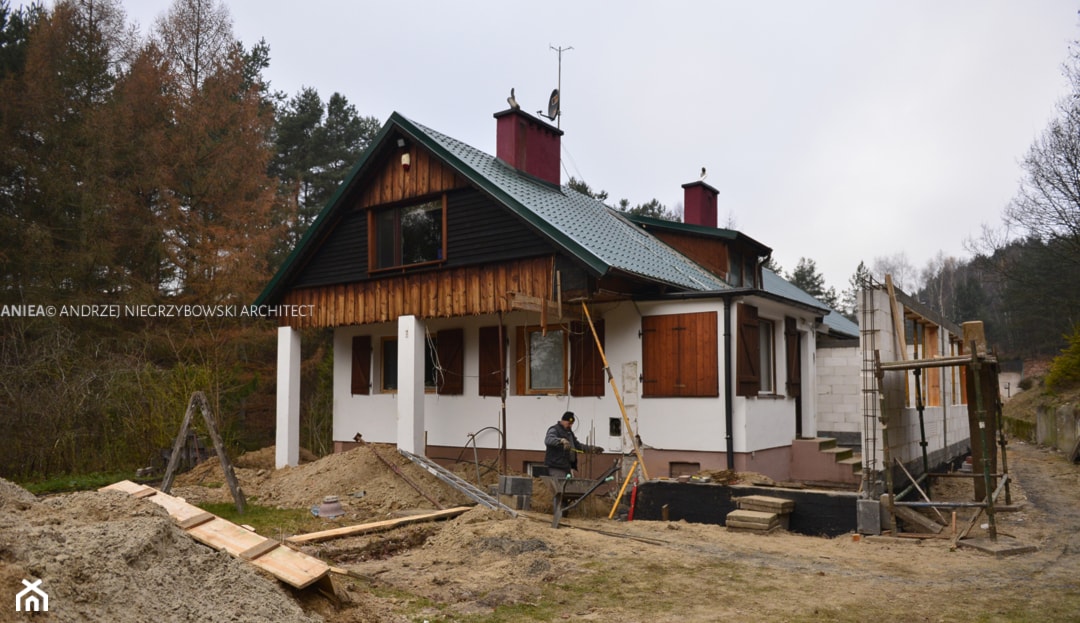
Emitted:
<point x="839" y="391"/>
<point x="1059" y="427"/>
<point x="946" y="427"/>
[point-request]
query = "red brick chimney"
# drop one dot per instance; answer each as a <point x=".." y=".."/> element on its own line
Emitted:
<point x="699" y="204"/>
<point x="528" y="144"/>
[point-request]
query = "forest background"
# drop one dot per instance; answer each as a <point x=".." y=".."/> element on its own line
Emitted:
<point x="144" y="169"/>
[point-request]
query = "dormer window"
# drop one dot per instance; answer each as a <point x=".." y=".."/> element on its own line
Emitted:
<point x="409" y="235"/>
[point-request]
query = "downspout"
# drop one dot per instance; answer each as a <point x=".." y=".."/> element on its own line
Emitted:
<point x="729" y="408"/>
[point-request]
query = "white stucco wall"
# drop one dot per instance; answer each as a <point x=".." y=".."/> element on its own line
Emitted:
<point x="691" y="424"/>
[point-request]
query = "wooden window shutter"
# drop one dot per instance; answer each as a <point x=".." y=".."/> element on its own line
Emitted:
<point x="794" y="357"/>
<point x="361" y="364"/>
<point x="450" y="348"/>
<point x="679" y="355"/>
<point x="586" y="364"/>
<point x="652" y="357"/>
<point x="492" y="362"/>
<point x="700" y="349"/>
<point x="748" y="352"/>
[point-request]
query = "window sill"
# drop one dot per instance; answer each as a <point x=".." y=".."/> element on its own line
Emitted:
<point x="405" y="268"/>
<point x="771" y="397"/>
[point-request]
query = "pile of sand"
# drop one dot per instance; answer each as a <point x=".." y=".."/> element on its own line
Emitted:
<point x="366" y="486"/>
<point x="105" y="556"/>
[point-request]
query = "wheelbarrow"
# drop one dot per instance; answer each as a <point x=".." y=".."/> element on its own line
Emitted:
<point x="569" y="492"/>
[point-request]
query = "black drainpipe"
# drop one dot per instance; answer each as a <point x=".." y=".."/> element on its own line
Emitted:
<point x="729" y="407"/>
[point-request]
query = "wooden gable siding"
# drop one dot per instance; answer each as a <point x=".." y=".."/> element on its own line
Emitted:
<point x="341" y="257"/>
<point x="464" y="291"/>
<point x="391" y="183"/>
<point x="480" y="230"/>
<point x="712" y="255"/>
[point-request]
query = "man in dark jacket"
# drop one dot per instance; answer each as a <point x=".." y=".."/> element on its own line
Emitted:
<point x="563" y="447"/>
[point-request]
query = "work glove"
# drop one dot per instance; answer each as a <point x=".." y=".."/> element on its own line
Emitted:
<point x="565" y="443"/>
<point x="596" y="450"/>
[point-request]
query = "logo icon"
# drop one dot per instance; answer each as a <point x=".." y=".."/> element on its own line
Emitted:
<point x="32" y="598"/>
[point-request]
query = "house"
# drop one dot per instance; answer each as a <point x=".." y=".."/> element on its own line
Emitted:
<point x="459" y="288"/>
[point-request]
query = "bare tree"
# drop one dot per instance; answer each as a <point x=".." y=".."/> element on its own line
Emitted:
<point x="903" y="272"/>
<point x="1047" y="205"/>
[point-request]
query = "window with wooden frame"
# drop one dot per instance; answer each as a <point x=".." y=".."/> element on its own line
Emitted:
<point x="735" y="268"/>
<point x="679" y="355"/>
<point x="408" y="235"/>
<point x="492" y="360"/>
<point x="542" y="361"/>
<point x="931" y="349"/>
<point x="767" y="339"/>
<point x="444" y="363"/>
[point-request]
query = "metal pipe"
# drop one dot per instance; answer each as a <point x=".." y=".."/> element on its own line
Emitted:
<point x="476" y="453"/>
<point x="910" y="487"/>
<point x="920" y="407"/>
<point x="980" y="411"/>
<point x="729" y="404"/>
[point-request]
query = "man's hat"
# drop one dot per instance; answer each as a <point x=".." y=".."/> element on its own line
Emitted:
<point x="568" y="417"/>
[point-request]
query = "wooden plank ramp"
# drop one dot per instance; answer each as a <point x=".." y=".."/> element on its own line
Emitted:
<point x="288" y="565"/>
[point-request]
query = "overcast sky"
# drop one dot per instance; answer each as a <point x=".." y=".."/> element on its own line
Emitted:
<point x="835" y="130"/>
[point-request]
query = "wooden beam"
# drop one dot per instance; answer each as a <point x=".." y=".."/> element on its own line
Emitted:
<point x="897" y="318"/>
<point x="554" y="311"/>
<point x="918" y="520"/>
<point x="933" y="362"/>
<point x="388" y="524"/>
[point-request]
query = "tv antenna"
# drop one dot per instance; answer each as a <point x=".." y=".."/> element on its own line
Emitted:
<point x="554" y="113"/>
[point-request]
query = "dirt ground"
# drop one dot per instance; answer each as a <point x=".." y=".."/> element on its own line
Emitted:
<point x="104" y="556"/>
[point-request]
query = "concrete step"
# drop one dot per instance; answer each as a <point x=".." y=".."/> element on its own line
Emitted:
<point x="820" y="460"/>
<point x="855" y="461"/>
<point x="754" y="521"/>
<point x="765" y="504"/>
<point x="838" y="453"/>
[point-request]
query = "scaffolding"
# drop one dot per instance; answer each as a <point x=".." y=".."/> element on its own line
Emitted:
<point x="984" y="418"/>
<point x="868" y="336"/>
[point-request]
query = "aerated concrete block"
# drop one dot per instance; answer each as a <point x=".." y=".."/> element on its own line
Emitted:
<point x="515" y="485"/>
<point x="868" y="513"/>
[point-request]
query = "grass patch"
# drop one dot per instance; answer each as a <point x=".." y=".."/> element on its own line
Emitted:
<point x="268" y="521"/>
<point x="74" y="482"/>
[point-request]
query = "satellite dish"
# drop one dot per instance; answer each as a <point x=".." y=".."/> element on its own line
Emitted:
<point x="553" y="104"/>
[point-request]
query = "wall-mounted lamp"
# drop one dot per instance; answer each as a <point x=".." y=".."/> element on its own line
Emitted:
<point x="406" y="160"/>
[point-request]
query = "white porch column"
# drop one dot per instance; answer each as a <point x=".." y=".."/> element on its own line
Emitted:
<point x="410" y="394"/>
<point x="287" y="448"/>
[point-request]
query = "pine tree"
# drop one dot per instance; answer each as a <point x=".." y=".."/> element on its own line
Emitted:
<point x="807" y="278"/>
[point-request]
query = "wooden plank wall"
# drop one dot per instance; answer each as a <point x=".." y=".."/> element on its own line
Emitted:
<point x="426" y="175"/>
<point x="710" y="253"/>
<point x="465" y="291"/>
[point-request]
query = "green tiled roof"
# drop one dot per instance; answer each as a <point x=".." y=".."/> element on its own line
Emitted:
<point x="836" y="323"/>
<point x="598" y="235"/>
